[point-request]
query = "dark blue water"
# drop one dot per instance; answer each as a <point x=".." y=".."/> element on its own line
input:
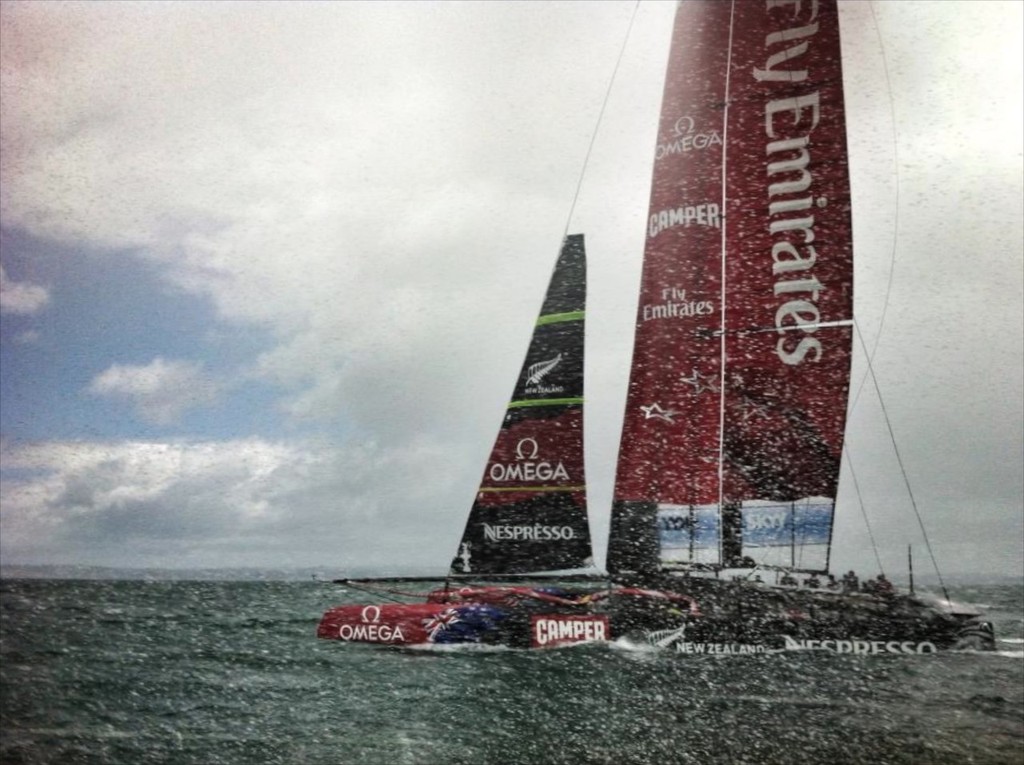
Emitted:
<point x="230" y="672"/>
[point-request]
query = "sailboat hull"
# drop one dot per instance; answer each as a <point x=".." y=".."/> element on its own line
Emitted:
<point x="516" y="617"/>
<point x="402" y="624"/>
<point x="510" y="626"/>
<point x="709" y="617"/>
<point x="765" y="618"/>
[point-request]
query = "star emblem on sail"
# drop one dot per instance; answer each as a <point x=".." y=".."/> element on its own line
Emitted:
<point x="753" y="409"/>
<point x="537" y="372"/>
<point x="654" y="411"/>
<point x="701" y="382"/>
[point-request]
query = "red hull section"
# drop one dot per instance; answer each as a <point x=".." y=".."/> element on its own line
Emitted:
<point x="512" y="616"/>
<point x="389" y="624"/>
<point x="553" y="630"/>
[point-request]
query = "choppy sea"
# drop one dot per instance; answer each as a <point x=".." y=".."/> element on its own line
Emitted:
<point x="230" y="672"/>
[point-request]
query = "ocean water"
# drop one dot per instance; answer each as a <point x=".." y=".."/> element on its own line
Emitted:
<point x="230" y="672"/>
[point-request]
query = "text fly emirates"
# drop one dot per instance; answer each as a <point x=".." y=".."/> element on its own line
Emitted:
<point x="792" y="260"/>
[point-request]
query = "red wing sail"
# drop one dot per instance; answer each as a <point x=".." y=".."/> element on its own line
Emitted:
<point x="737" y="398"/>
<point x="530" y="512"/>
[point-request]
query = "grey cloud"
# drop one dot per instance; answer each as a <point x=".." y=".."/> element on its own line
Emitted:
<point x="209" y="504"/>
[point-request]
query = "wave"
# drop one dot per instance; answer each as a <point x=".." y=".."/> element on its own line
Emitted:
<point x="626" y="645"/>
<point x="77" y="731"/>
<point x="457" y="648"/>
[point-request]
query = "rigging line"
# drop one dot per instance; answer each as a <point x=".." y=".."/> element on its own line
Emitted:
<point x="863" y="510"/>
<point x="896" y="214"/>
<point x="722" y="354"/>
<point x="903" y="470"/>
<point x="600" y="116"/>
<point x="384" y="593"/>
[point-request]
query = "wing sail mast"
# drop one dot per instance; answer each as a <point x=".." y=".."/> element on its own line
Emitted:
<point x="736" y="406"/>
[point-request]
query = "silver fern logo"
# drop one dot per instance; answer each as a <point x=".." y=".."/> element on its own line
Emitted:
<point x="537" y="372"/>
<point x="666" y="638"/>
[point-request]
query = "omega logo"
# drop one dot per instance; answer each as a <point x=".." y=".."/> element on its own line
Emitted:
<point x="527" y="444"/>
<point x="375" y="610"/>
<point x="678" y="129"/>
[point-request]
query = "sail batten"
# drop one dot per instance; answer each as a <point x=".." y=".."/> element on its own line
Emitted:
<point x="740" y="373"/>
<point x="546" y="402"/>
<point x="529" y="489"/>
<point x="559" y="317"/>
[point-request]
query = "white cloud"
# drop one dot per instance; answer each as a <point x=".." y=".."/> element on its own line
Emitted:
<point x="237" y="503"/>
<point x="21" y="297"/>
<point x="161" y="391"/>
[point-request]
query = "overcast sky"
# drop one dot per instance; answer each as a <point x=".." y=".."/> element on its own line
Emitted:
<point x="269" y="270"/>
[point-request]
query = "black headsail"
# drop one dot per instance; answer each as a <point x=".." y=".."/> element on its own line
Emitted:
<point x="530" y="513"/>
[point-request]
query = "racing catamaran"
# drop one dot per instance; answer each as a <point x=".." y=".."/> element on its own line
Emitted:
<point x="730" y="452"/>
